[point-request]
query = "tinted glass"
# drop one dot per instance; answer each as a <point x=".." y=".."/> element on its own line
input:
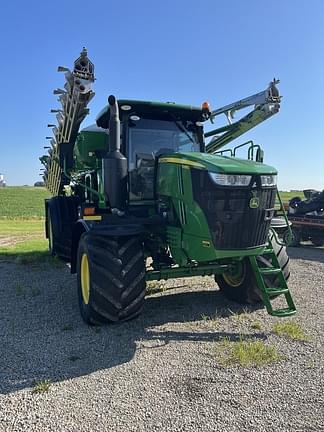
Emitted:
<point x="149" y="139"/>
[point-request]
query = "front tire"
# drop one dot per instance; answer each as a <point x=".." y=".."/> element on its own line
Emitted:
<point x="110" y="277"/>
<point x="239" y="285"/>
<point x="295" y="238"/>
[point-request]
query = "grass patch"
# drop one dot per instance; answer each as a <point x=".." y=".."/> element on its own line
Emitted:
<point x="22" y="202"/>
<point x="291" y="330"/>
<point x="27" y="246"/>
<point x="256" y="325"/>
<point x="27" y="252"/>
<point x="246" y="353"/>
<point x="41" y="386"/>
<point x="211" y="319"/>
<point x="240" y="317"/>
<point x="311" y="364"/>
<point x="22" y="227"/>
<point x="30" y="252"/>
<point x="153" y="287"/>
<point x="287" y="196"/>
<point x="25" y="243"/>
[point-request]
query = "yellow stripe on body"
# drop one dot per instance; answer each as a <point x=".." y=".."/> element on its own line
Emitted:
<point x="94" y="217"/>
<point x="181" y="162"/>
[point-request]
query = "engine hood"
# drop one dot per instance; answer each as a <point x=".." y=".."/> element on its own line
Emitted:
<point x="218" y="164"/>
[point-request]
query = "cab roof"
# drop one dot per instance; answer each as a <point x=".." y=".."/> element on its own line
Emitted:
<point x="156" y="110"/>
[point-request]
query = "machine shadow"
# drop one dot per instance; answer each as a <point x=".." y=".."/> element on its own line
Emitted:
<point x="56" y="349"/>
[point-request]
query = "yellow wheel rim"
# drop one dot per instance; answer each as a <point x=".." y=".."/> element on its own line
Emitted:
<point x="235" y="276"/>
<point x="85" y="279"/>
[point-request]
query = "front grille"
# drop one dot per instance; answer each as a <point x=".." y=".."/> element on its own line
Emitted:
<point x="233" y="224"/>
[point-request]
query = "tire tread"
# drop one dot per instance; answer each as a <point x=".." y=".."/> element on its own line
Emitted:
<point x="117" y="274"/>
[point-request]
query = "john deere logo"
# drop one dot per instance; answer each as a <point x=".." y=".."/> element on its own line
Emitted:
<point x="254" y="203"/>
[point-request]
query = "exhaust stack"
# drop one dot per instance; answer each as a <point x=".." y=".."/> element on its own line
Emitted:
<point x="114" y="165"/>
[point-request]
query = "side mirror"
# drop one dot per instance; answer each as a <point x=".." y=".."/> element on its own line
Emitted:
<point x="259" y="155"/>
<point x="144" y="159"/>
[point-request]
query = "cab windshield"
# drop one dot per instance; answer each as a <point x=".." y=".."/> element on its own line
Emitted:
<point x="149" y="138"/>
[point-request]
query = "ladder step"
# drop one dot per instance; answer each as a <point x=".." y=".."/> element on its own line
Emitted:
<point x="276" y="290"/>
<point x="269" y="292"/>
<point x="283" y="312"/>
<point x="267" y="251"/>
<point x="269" y="270"/>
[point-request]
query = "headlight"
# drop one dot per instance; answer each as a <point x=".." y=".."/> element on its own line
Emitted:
<point x="230" y="179"/>
<point x="269" y="180"/>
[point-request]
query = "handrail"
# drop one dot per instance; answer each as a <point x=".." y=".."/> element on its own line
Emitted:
<point x="242" y="145"/>
<point x="221" y="152"/>
<point x="289" y="234"/>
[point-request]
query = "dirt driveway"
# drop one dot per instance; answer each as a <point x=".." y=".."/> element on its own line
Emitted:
<point x="159" y="372"/>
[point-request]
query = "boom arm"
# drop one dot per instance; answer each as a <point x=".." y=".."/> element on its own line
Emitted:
<point x="266" y="104"/>
<point x="74" y="99"/>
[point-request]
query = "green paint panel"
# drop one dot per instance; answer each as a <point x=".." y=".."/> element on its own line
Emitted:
<point x="188" y="233"/>
<point x="152" y="109"/>
<point x="87" y="143"/>
<point x="226" y="164"/>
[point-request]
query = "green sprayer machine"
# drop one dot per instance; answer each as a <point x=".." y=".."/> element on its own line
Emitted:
<point x="140" y="196"/>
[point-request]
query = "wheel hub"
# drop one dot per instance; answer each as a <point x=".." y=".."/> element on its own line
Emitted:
<point x="236" y="275"/>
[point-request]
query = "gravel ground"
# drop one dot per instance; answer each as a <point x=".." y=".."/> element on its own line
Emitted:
<point x="159" y="372"/>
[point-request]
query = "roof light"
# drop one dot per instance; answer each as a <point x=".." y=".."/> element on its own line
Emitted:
<point x="205" y="106"/>
<point x="126" y="107"/>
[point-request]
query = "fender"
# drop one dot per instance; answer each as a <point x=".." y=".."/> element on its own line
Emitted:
<point x="101" y="229"/>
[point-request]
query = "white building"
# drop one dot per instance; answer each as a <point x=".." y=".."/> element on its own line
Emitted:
<point x="2" y="180"/>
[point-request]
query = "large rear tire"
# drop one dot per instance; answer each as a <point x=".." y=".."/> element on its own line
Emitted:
<point x="240" y="285"/>
<point x="110" y="277"/>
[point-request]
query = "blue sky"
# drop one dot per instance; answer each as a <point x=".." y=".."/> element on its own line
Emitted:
<point x="183" y="51"/>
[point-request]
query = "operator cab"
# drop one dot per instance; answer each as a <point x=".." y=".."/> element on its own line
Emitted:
<point x="148" y="139"/>
<point x="152" y="129"/>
